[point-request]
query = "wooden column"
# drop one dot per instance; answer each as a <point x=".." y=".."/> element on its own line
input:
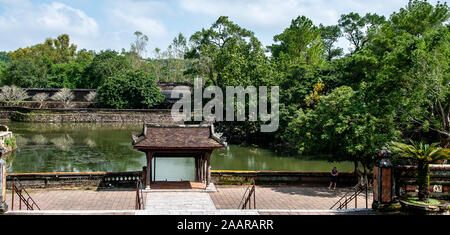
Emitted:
<point x="208" y="168"/>
<point x="196" y="169"/>
<point x="149" y="170"/>
<point x="203" y="169"/>
<point x="200" y="168"/>
<point x="154" y="169"/>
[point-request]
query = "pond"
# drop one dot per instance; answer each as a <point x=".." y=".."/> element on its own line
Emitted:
<point x="88" y="147"/>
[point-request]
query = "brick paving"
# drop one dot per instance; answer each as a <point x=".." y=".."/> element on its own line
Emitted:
<point x="273" y="200"/>
<point x="285" y="197"/>
<point x="80" y="200"/>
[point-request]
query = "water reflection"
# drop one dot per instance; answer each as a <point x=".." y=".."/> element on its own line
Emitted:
<point x="107" y="147"/>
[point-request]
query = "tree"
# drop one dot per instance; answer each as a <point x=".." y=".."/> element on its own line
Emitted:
<point x="341" y="126"/>
<point x="54" y="63"/>
<point x="13" y="94"/>
<point x="407" y="70"/>
<point x="58" y="50"/>
<point x="330" y="35"/>
<point x="356" y="28"/>
<point x="65" y="96"/>
<point x="40" y="97"/>
<point x="91" y="97"/>
<point x="140" y="44"/>
<point x="301" y="43"/>
<point x="25" y="73"/>
<point x="179" y="45"/>
<point x="227" y="55"/>
<point x="130" y="90"/>
<point x="423" y="155"/>
<point x="105" y="64"/>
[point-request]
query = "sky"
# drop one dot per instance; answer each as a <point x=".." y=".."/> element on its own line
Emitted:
<point x="110" y="24"/>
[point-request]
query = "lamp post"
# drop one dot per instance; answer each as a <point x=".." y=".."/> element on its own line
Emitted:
<point x="384" y="184"/>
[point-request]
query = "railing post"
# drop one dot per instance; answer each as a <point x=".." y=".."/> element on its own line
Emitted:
<point x="20" y="201"/>
<point x="3" y="205"/>
<point x="254" y="198"/>
<point x="367" y="199"/>
<point x="13" y="188"/>
<point x="356" y="198"/>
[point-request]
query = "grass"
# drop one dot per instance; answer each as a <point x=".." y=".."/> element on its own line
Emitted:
<point x="431" y="202"/>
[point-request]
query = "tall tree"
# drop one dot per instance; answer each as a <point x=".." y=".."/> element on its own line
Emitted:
<point x="140" y="44"/>
<point x="409" y="69"/>
<point x="226" y="54"/>
<point x="301" y="43"/>
<point x="356" y="27"/>
<point x="330" y="35"/>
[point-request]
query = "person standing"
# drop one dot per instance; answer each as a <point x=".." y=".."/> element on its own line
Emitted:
<point x="334" y="175"/>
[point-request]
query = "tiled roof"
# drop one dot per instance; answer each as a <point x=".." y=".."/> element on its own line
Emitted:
<point x="178" y="137"/>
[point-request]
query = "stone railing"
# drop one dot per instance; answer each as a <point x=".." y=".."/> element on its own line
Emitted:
<point x="96" y="179"/>
<point x="282" y="177"/>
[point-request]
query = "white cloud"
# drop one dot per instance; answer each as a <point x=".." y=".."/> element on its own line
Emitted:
<point x="128" y="16"/>
<point x="270" y="17"/>
<point x="269" y="13"/>
<point x="27" y="23"/>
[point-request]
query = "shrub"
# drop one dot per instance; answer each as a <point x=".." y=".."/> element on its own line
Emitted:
<point x="13" y="94"/>
<point x="41" y="97"/>
<point x="65" y="96"/>
<point x="131" y="90"/>
<point x="10" y="142"/>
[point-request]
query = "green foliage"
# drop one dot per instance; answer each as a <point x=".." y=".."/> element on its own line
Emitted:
<point x="105" y="64"/>
<point x="10" y="142"/>
<point x="130" y="90"/>
<point x="419" y="151"/>
<point x="354" y="26"/>
<point x="53" y="64"/>
<point x="228" y="55"/>
<point x="25" y="73"/>
<point x="301" y="43"/>
<point x="407" y="69"/>
<point x="330" y="35"/>
<point x="340" y="125"/>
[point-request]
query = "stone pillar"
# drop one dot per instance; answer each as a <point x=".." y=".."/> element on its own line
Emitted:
<point x="3" y="205"/>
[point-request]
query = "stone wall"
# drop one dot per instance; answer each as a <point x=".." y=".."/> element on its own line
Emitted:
<point x="88" y="116"/>
<point x="405" y="181"/>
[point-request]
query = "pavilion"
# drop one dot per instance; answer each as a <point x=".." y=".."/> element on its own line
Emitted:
<point x="179" y="141"/>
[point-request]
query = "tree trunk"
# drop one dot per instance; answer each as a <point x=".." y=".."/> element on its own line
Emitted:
<point x="423" y="180"/>
<point x="357" y="172"/>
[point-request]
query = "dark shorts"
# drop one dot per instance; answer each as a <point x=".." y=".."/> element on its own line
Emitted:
<point x="334" y="179"/>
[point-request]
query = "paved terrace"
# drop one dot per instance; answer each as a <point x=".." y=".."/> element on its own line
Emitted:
<point x="283" y="200"/>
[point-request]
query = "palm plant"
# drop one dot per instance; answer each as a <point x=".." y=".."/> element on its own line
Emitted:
<point x="423" y="155"/>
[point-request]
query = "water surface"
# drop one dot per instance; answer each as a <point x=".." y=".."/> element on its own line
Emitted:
<point x="89" y="147"/>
